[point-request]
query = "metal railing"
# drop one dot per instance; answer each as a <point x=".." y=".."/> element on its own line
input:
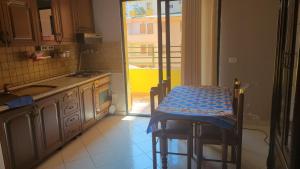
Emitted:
<point x="147" y="57"/>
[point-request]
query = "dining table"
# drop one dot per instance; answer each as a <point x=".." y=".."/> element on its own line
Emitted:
<point x="205" y="104"/>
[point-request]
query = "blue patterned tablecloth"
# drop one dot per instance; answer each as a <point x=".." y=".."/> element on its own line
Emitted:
<point x="209" y="104"/>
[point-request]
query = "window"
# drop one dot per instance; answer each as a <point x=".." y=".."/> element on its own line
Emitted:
<point x="143" y="28"/>
<point x="144" y="49"/>
<point x="150" y="28"/>
<point x="133" y="28"/>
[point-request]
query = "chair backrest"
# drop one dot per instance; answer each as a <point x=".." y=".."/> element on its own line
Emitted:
<point x="236" y="88"/>
<point x="240" y="114"/>
<point x="153" y="93"/>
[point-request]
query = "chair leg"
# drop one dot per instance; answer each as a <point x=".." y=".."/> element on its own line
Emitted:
<point x="225" y="149"/>
<point x="238" y="156"/>
<point x="189" y="151"/>
<point x="199" y="153"/>
<point x="154" y="151"/>
<point x="233" y="153"/>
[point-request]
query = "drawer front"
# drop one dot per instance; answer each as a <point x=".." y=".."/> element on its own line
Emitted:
<point x="72" y="125"/>
<point x="70" y="95"/>
<point x="102" y="81"/>
<point x="70" y="107"/>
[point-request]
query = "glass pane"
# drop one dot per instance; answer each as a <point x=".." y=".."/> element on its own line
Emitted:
<point x="141" y="39"/>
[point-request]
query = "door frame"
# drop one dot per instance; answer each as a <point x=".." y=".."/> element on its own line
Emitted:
<point x="124" y="59"/>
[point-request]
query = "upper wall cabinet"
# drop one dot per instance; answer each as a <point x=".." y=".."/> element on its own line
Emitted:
<point x="20" y="22"/>
<point x="56" y="24"/>
<point x="83" y="16"/>
<point x="66" y="21"/>
<point x="2" y="30"/>
<point x="36" y="22"/>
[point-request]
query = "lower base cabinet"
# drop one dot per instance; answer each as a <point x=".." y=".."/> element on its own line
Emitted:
<point x="72" y="125"/>
<point x="49" y="130"/>
<point x="87" y="104"/>
<point x="18" y="138"/>
<point x="30" y="134"/>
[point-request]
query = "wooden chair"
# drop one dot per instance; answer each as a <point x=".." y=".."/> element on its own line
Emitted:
<point x="208" y="128"/>
<point x="213" y="136"/>
<point x="175" y="129"/>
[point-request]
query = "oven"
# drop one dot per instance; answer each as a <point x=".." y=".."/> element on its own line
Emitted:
<point x="103" y="97"/>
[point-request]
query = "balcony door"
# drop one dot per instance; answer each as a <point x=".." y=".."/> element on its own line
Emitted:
<point x="152" y="45"/>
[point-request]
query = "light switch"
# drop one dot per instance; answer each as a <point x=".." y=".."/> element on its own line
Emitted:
<point x="232" y="60"/>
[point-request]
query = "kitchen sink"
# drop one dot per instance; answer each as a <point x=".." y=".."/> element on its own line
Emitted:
<point x="33" y="90"/>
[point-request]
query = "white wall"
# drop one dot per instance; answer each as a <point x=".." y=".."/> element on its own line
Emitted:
<point x="108" y="22"/>
<point x="248" y="33"/>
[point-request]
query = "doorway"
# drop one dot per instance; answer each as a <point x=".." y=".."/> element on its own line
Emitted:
<point x="140" y="32"/>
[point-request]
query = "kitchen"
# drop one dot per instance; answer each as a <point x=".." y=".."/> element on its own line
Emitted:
<point x="40" y="64"/>
<point x="65" y="93"/>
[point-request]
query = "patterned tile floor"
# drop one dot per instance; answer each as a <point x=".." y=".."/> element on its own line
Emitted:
<point x="119" y="142"/>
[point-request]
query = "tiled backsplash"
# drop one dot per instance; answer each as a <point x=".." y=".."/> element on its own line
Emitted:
<point x="106" y="56"/>
<point x="16" y="69"/>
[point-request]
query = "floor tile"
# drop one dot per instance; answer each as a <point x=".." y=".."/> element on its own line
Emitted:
<point x="74" y="151"/>
<point x="119" y="142"/>
<point x="55" y="162"/>
<point x="83" y="163"/>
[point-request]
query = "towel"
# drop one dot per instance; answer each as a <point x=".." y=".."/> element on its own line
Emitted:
<point x="20" y="102"/>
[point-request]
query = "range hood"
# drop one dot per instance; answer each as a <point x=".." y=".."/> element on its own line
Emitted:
<point x="89" y="38"/>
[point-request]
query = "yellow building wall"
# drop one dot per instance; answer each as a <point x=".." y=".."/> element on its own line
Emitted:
<point x="141" y="80"/>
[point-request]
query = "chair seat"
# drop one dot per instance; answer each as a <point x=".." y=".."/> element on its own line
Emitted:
<point x="210" y="134"/>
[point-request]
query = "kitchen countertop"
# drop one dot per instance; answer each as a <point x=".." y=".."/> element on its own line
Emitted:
<point x="62" y="83"/>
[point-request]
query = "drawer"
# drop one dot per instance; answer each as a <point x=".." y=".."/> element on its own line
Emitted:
<point x="70" y="95"/>
<point x="70" y="107"/>
<point x="102" y="81"/>
<point x="72" y="125"/>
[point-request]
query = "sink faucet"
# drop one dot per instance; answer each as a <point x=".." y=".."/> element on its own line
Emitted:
<point x="6" y="88"/>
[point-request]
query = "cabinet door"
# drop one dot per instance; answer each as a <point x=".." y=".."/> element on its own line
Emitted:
<point x="50" y="125"/>
<point x="70" y="102"/>
<point x="48" y="19"/>
<point x="21" y="22"/>
<point x="2" y="31"/>
<point x="87" y="104"/>
<point x="72" y="125"/>
<point x="83" y="15"/>
<point x="18" y="139"/>
<point x="66" y="21"/>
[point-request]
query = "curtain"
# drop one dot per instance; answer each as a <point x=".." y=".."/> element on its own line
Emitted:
<point x="199" y="42"/>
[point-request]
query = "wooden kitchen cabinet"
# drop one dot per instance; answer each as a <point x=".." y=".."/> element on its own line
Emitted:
<point x="72" y="124"/>
<point x="83" y="16"/>
<point x="20" y="18"/>
<point x="87" y="104"/>
<point x="18" y="138"/>
<point x="56" y="21"/>
<point x="66" y="21"/>
<point x="49" y="124"/>
<point x="2" y="30"/>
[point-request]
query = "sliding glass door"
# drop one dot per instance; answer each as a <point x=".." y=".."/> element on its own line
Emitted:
<point x="152" y="42"/>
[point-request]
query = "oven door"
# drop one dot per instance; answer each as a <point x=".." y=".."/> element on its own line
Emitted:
<point x="102" y="100"/>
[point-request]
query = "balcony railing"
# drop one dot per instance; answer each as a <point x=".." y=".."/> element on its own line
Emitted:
<point x="147" y="57"/>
